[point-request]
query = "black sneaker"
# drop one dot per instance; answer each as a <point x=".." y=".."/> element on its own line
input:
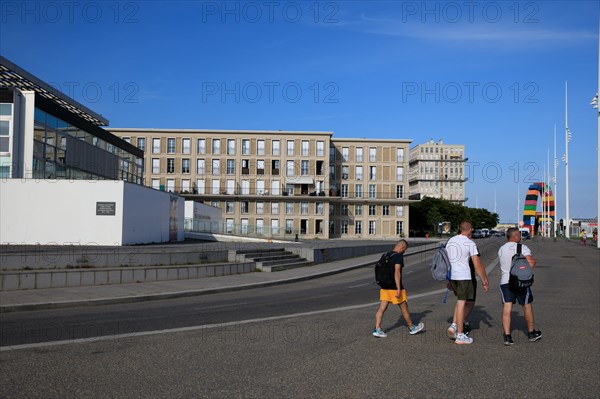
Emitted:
<point x="534" y="335"/>
<point x="508" y="341"/>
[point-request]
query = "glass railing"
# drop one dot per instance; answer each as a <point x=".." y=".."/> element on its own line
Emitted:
<point x="242" y="230"/>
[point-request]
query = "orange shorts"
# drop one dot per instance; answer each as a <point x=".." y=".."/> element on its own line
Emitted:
<point x="390" y="296"/>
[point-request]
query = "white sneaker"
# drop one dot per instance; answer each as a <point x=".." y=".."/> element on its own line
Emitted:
<point x="416" y="328"/>
<point x="452" y="331"/>
<point x="462" y="339"/>
<point x="379" y="333"/>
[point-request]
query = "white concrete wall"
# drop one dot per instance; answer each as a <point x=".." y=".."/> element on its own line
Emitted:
<point x="197" y="210"/>
<point x="147" y="215"/>
<point x="62" y="212"/>
<point x="59" y="212"/>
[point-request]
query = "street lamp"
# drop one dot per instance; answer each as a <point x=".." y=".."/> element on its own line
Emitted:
<point x="566" y="159"/>
<point x="594" y="103"/>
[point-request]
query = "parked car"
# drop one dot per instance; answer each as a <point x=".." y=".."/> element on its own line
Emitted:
<point x="497" y="233"/>
<point x="486" y="232"/>
<point x="477" y="233"/>
<point x="525" y="235"/>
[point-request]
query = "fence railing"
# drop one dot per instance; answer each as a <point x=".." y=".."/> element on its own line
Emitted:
<point x="242" y="230"/>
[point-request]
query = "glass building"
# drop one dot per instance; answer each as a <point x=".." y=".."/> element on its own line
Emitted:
<point x="46" y="135"/>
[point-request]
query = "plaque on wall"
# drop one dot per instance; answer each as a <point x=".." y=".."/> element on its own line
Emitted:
<point x="105" y="208"/>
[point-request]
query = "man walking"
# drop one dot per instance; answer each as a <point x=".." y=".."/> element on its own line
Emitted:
<point x="465" y="263"/>
<point x="395" y="296"/>
<point x="510" y="296"/>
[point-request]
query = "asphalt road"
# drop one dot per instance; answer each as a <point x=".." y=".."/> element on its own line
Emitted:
<point x="313" y="339"/>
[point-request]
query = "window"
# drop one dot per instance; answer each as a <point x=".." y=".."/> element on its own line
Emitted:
<point x="170" y="165"/>
<point x="399" y="211"/>
<point x="304" y="168"/>
<point x="245" y="166"/>
<point x="372" y="210"/>
<point x="141" y="143"/>
<point x="260" y="207"/>
<point x="372" y="191"/>
<point x="156" y="146"/>
<point x="276" y="150"/>
<point x="185" y="165"/>
<point x="359" y="154"/>
<point x="385" y="210"/>
<point x="289" y="208"/>
<point x="230" y="188"/>
<point x="243" y="206"/>
<point x="200" y="166"/>
<point x="171" y="185"/>
<point x="230" y="167"/>
<point x="372" y="154"/>
<point x="201" y="148"/>
<point x="201" y="186"/>
<point x="344" y="172"/>
<point x="358" y="227"/>
<point x="244" y="226"/>
<point x="399" y="154"/>
<point x="260" y="167"/>
<point x="245" y="147"/>
<point x="259" y="226"/>
<point x="260" y="187"/>
<point x="305" y="148"/>
<point x="320" y="148"/>
<point x="332" y="172"/>
<point x="275" y="187"/>
<point x="304" y="208"/>
<point x="156" y="184"/>
<point x="289" y="189"/>
<point x="400" y="173"/>
<point x="358" y="210"/>
<point x="372" y="172"/>
<point x="344" y="190"/>
<point x="275" y="167"/>
<point x="290" y="168"/>
<point x="230" y="146"/>
<point x="245" y="187"/>
<point x="170" y="146"/>
<point x="344" y="209"/>
<point x="186" y="146"/>
<point x="344" y="227"/>
<point x="216" y="167"/>
<point x="229" y="206"/>
<point x="345" y="154"/>
<point x="289" y="226"/>
<point x="319" y="208"/>
<point x="331" y="227"/>
<point x="399" y="191"/>
<point x="290" y="147"/>
<point x="260" y="147"/>
<point x="331" y="209"/>
<point x="275" y="208"/>
<point x="216" y="146"/>
<point x="155" y="165"/>
<point x="372" y="227"/>
<point x="331" y="154"/>
<point x="185" y="185"/>
<point x="359" y="172"/>
<point x="399" y="227"/>
<point x="358" y="190"/>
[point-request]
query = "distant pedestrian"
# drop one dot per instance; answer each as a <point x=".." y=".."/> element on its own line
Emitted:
<point x="510" y="295"/>
<point x="583" y="237"/>
<point x="395" y="296"/>
<point x="465" y="263"/>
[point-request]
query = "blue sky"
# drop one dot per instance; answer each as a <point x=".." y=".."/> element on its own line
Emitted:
<point x="490" y="75"/>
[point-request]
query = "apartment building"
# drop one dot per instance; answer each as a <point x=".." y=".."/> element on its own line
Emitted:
<point x="305" y="183"/>
<point x="437" y="170"/>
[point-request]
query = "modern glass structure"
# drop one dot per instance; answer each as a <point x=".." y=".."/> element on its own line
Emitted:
<point x="46" y="135"/>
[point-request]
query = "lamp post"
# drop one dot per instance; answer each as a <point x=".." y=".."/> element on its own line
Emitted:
<point x="566" y="159"/>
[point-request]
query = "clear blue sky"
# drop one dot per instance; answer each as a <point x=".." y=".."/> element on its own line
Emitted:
<point x="490" y="76"/>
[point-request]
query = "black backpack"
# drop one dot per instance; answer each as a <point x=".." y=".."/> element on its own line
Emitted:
<point x="384" y="272"/>
<point x="521" y="274"/>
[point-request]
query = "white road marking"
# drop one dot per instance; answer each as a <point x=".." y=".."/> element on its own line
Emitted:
<point x="359" y="285"/>
<point x="220" y="325"/>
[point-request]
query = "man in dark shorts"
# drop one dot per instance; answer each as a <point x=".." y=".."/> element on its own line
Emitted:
<point x="395" y="296"/>
<point x="510" y="296"/>
<point x="461" y="251"/>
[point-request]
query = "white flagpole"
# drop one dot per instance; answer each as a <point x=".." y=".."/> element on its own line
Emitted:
<point x="567" y="216"/>
<point x="543" y="193"/>
<point x="554" y="191"/>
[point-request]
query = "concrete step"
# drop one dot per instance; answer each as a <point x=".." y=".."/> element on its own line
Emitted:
<point x="259" y="250"/>
<point x="285" y="266"/>
<point x="60" y="278"/>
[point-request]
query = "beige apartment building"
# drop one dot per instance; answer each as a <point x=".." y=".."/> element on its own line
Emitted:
<point x="437" y="170"/>
<point x="298" y="182"/>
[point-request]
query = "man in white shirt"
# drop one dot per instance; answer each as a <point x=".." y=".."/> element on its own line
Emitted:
<point x="461" y="251"/>
<point x="510" y="296"/>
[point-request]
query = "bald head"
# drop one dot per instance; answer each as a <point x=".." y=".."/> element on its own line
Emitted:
<point x="401" y="246"/>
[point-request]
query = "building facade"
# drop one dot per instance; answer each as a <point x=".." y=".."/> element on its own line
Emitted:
<point x="437" y="170"/>
<point x="46" y="135"/>
<point x="304" y="183"/>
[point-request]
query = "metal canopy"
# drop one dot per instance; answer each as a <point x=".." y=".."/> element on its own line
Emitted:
<point x="13" y="77"/>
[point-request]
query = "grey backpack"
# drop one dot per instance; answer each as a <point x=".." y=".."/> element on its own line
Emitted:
<point x="521" y="273"/>
<point x="440" y="264"/>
